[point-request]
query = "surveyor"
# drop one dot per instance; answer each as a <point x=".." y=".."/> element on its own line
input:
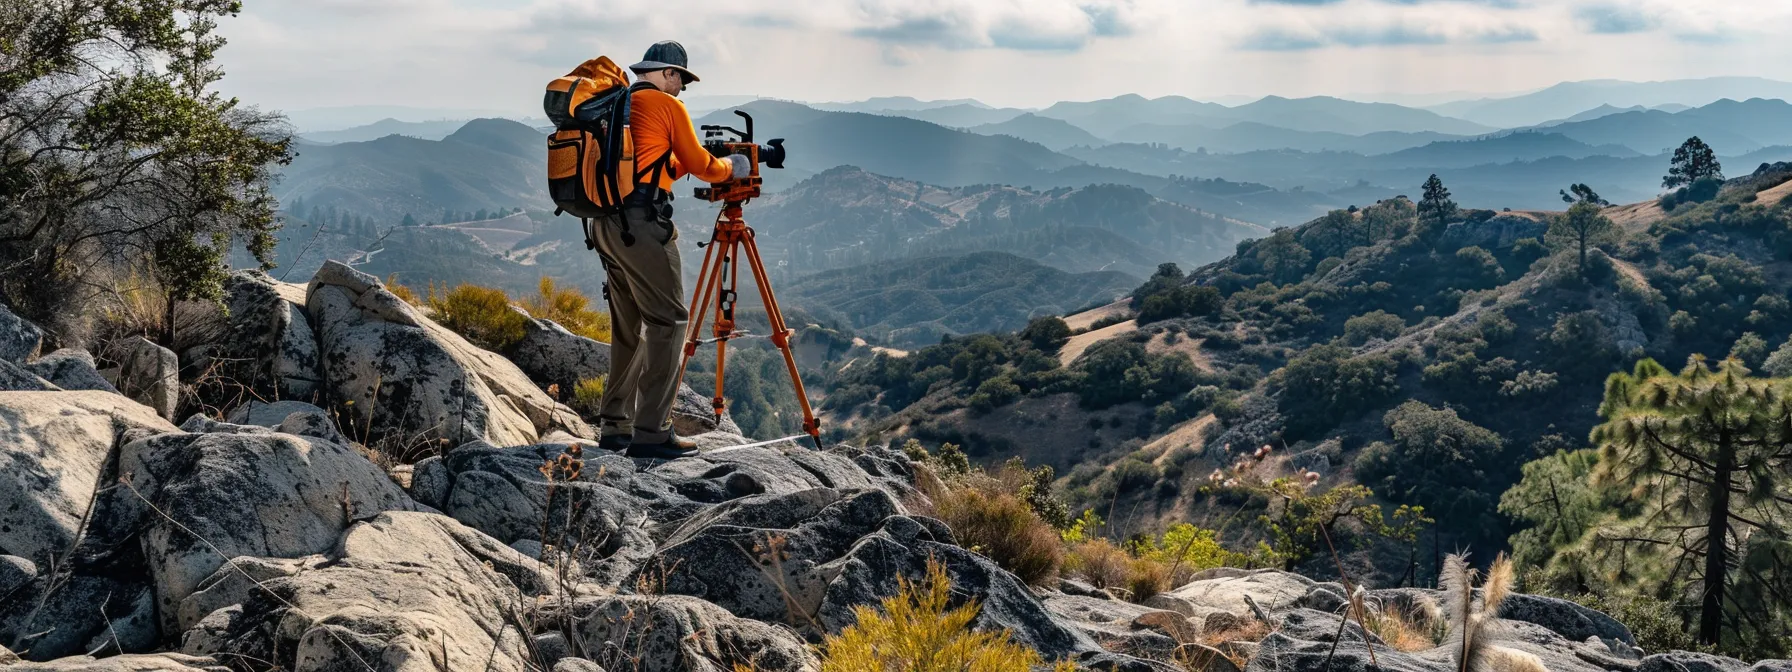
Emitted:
<point x="639" y="248"/>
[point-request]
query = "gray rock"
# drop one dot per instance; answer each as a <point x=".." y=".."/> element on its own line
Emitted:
<point x="674" y="633"/>
<point x="551" y="355"/>
<point x="407" y="376"/>
<point x="150" y="375"/>
<point x="71" y="369"/>
<point x="722" y="475"/>
<point x="269" y="414"/>
<point x="550" y="648"/>
<point x="242" y="491"/>
<point x="805" y="559"/>
<point x="1687" y="661"/>
<point x="15" y="572"/>
<point x="1223" y="590"/>
<point x="54" y="446"/>
<point x="693" y="414"/>
<point x="1772" y="666"/>
<point x="1572" y="621"/>
<point x="1125" y="627"/>
<point x="601" y="517"/>
<point x="1281" y="653"/>
<point x="15" y="378"/>
<point x="430" y="482"/>
<point x="1502" y="231"/>
<point x="577" y="665"/>
<point x="19" y="339"/>
<point x="152" y="662"/>
<point x="258" y="340"/>
<point x="412" y="591"/>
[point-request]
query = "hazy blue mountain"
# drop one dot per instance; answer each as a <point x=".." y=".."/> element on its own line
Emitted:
<point x="1336" y="115"/>
<point x="1103" y="117"/>
<point x="317" y="119"/>
<point x="912" y="302"/>
<point x="487" y="164"/>
<point x="427" y="130"/>
<point x="1504" y="148"/>
<point x="846" y="216"/>
<point x="1055" y="134"/>
<point x="958" y="116"/>
<point x="1569" y="98"/>
<point x="1249" y="136"/>
<point x="1589" y="115"/>
<point x="1729" y="126"/>
<point x="895" y="103"/>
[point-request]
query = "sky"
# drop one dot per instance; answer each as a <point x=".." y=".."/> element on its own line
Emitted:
<point x="498" y="54"/>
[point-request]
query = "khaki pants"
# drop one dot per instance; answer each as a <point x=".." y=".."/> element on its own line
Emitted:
<point x="647" y="321"/>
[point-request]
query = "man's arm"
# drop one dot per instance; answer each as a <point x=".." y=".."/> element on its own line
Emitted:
<point x="688" y="155"/>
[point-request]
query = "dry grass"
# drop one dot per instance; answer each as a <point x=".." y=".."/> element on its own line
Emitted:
<point x="481" y="314"/>
<point x="1000" y="525"/>
<point x="588" y="396"/>
<point x="402" y="292"/>
<point x="1402" y="631"/>
<point x="1099" y="562"/>
<point x="570" y="308"/>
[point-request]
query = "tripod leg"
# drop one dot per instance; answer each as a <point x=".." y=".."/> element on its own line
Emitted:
<point x="708" y="277"/>
<point x="730" y="264"/>
<point x="781" y="337"/>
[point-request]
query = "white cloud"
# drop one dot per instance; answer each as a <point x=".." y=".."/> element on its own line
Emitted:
<point x="498" y="53"/>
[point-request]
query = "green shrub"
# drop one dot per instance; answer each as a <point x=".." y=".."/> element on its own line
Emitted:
<point x="588" y="395"/>
<point x="1368" y="326"/>
<point x="1046" y="333"/>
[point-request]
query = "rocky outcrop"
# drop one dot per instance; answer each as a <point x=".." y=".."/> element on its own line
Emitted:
<point x="19" y="339"/>
<point x="391" y="369"/>
<point x="403" y="591"/>
<point x="1229" y="591"/>
<point x="71" y="369"/>
<point x="259" y="339"/>
<point x="150" y="375"/>
<point x="674" y="633"/>
<point x="54" y="448"/>
<point x="551" y="355"/>
<point x="222" y="491"/>
<point x="1499" y="232"/>
<point x="805" y="559"/>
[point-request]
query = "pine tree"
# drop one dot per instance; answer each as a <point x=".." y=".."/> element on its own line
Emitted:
<point x="1581" y="227"/>
<point x="1692" y="161"/>
<point x="1435" y="207"/>
<point x="1582" y="194"/>
<point x="408" y="220"/>
<point x="1706" y="454"/>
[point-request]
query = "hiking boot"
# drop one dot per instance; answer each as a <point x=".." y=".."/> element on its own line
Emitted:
<point x="672" y="448"/>
<point x="615" y="443"/>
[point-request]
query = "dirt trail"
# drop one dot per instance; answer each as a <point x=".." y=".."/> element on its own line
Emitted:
<point x="1631" y="272"/>
<point x="1775" y="195"/>
<point x="1636" y="216"/>
<point x="1185" y="435"/>
<point x="1079" y="343"/>
<point x="1088" y="318"/>
<point x="880" y="349"/>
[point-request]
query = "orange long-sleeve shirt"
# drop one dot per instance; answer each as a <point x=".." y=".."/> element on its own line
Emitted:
<point x="659" y="123"/>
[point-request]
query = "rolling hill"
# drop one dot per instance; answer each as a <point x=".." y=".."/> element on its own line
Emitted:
<point x="1250" y="136"/>
<point x="1569" y="98"/>
<point x="486" y="164"/>
<point x="911" y="302"/>
<point x="1055" y="134"/>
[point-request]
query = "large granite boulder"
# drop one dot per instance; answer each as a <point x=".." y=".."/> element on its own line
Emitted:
<point x="222" y="491"/>
<point x="676" y="633"/>
<point x="259" y="339"/>
<point x="53" y="449"/>
<point x="1223" y="591"/>
<point x="551" y="355"/>
<point x="389" y="367"/>
<point x="1572" y="621"/>
<point x="403" y="591"/>
<point x="1125" y="627"/>
<point x="19" y="339"/>
<point x="1687" y="661"/>
<point x="71" y="369"/>
<point x="150" y="374"/>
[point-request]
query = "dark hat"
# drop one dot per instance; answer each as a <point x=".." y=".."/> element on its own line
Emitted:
<point x="664" y="55"/>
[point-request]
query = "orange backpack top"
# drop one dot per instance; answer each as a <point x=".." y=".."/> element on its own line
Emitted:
<point x="591" y="158"/>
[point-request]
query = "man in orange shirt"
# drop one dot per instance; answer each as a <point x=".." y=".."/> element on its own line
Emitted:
<point x="639" y="248"/>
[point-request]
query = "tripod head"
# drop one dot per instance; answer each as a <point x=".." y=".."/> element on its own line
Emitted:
<point x="719" y="145"/>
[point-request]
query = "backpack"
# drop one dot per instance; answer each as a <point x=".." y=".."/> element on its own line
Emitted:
<point x="590" y="149"/>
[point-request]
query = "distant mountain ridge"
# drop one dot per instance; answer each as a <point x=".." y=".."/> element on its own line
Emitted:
<point x="1570" y="98"/>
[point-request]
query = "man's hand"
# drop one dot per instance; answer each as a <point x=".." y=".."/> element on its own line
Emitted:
<point x="743" y="166"/>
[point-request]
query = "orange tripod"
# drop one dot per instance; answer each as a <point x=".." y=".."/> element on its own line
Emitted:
<point x="716" y="283"/>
